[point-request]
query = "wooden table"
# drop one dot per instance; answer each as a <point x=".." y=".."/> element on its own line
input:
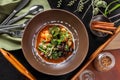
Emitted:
<point x="113" y="74"/>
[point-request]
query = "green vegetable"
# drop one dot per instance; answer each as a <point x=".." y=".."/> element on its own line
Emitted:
<point x="64" y="36"/>
<point x="54" y="31"/>
<point x="71" y="2"/>
<point x="55" y="55"/>
<point x="97" y="4"/>
<point x="101" y="4"/>
<point x="114" y="8"/>
<point x="54" y="42"/>
<point x="107" y="11"/>
<point x="58" y="43"/>
<point x="80" y="6"/>
<point x="49" y="45"/>
<point x="66" y="47"/>
<point x="95" y="11"/>
<point x="59" y="3"/>
<point x="42" y="49"/>
<point x="59" y="53"/>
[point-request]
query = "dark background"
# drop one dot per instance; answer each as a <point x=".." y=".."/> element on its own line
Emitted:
<point x="8" y="72"/>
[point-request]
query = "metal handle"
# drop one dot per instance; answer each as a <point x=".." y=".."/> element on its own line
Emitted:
<point x="4" y="32"/>
<point x="8" y="18"/>
<point x="16" y="33"/>
<point x="17" y="19"/>
<point x="3" y="27"/>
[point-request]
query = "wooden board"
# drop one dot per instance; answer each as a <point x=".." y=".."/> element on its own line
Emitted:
<point x="113" y="74"/>
<point x="95" y="53"/>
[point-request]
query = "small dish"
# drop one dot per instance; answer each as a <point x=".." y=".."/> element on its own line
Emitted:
<point x="87" y="75"/>
<point x="99" y="18"/>
<point x="105" y="61"/>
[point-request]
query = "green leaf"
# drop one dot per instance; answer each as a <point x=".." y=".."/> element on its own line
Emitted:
<point x="96" y="1"/>
<point x="72" y="2"/>
<point x="95" y="11"/>
<point x="66" y="47"/>
<point x="55" y="30"/>
<point x="101" y="4"/>
<point x="107" y="8"/>
<point x="59" y="41"/>
<point x="49" y="45"/>
<point x="114" y="8"/>
<point x="54" y="42"/>
<point x="59" y="53"/>
<point x="59" y="3"/>
<point x="42" y="49"/>
<point x="55" y="55"/>
<point x="63" y="36"/>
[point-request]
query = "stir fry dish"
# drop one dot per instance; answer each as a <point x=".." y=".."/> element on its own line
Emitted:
<point x="55" y="43"/>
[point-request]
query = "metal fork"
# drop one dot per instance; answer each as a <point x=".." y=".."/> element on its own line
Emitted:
<point x="13" y="26"/>
<point x="4" y="29"/>
<point x="13" y="33"/>
<point x="8" y="27"/>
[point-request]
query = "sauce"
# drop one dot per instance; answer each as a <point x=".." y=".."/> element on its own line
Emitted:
<point x="45" y="37"/>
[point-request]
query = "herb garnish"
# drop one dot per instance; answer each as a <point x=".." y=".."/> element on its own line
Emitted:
<point x="59" y="44"/>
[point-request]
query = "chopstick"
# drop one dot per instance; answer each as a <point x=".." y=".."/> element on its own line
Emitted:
<point x="94" y="55"/>
<point x="17" y="64"/>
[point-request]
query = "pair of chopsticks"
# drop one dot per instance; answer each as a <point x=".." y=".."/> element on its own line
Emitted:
<point x="17" y="64"/>
<point x="94" y="55"/>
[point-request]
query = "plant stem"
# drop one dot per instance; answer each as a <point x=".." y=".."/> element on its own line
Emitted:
<point x="114" y="16"/>
<point x="80" y="4"/>
<point x="106" y="10"/>
<point x="114" y="8"/>
<point x="86" y="11"/>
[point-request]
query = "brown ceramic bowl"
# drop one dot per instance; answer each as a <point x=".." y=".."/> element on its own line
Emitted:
<point x="71" y="22"/>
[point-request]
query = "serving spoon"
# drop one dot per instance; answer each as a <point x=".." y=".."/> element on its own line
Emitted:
<point x="32" y="11"/>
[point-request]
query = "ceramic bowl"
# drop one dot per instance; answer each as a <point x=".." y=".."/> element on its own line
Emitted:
<point x="71" y="22"/>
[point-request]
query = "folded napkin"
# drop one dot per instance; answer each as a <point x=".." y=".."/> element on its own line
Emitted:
<point x="6" y="7"/>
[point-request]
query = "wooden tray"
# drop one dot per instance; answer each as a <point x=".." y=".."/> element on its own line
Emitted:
<point x="109" y="75"/>
<point x="94" y="55"/>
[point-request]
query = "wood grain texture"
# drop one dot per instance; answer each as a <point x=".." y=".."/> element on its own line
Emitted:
<point x="95" y="53"/>
<point x="114" y="44"/>
<point x="113" y="74"/>
<point x="17" y="64"/>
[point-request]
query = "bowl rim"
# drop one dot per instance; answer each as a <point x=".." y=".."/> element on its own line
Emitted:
<point x="86" y="34"/>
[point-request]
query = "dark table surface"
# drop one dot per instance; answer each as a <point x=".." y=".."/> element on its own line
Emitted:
<point x="8" y="72"/>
